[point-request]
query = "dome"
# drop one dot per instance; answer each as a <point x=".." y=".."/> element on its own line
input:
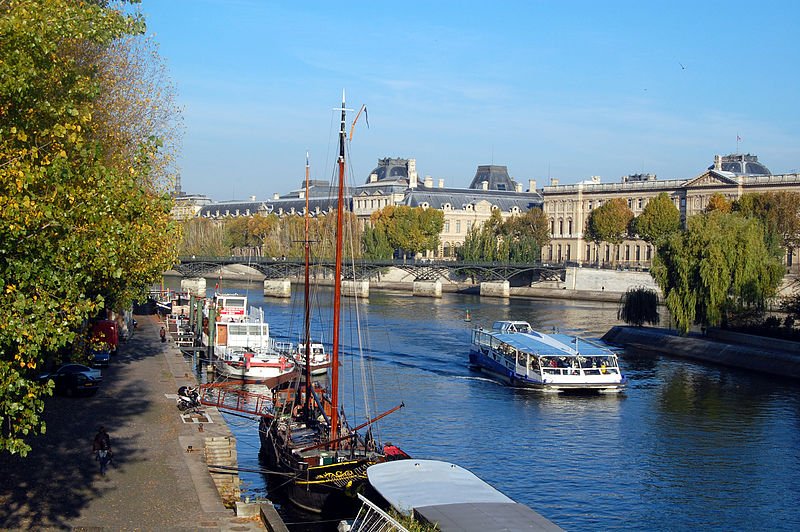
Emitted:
<point x="739" y="164"/>
<point x="389" y="169"/>
<point x="496" y="177"/>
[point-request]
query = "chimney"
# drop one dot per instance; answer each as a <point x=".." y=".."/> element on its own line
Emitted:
<point x="413" y="179"/>
<point x="428" y="181"/>
<point x="441" y="183"/>
<point x="276" y="196"/>
<point x="252" y="198"/>
<point x="519" y="187"/>
<point x="553" y="182"/>
<point x="373" y="178"/>
<point x="531" y="185"/>
<point x="484" y="185"/>
<point x="718" y="162"/>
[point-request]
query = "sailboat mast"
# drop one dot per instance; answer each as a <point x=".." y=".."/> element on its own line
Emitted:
<point x="307" y="328"/>
<point x="337" y="286"/>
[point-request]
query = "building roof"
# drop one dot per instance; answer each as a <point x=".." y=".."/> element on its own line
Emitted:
<point x="496" y="176"/>
<point x="457" y="198"/>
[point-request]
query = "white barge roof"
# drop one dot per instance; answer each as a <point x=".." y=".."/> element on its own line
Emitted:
<point x="452" y="497"/>
<point x="551" y="344"/>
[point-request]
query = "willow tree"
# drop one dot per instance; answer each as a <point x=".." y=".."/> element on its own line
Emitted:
<point x="721" y="263"/>
<point x="79" y="230"/>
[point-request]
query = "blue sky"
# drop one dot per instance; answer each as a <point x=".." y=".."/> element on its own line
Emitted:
<point x="556" y="89"/>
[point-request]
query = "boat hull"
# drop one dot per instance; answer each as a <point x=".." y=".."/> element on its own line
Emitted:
<point x="328" y="488"/>
<point x="482" y="362"/>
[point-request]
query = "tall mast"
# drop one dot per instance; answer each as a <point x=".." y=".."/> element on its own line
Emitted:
<point x="337" y="286"/>
<point x="307" y="328"/>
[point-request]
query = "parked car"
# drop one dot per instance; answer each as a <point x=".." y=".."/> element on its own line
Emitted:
<point x="100" y="357"/>
<point x="75" y="379"/>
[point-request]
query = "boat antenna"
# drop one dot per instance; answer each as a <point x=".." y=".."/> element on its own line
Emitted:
<point x="307" y="309"/>
<point x="337" y="283"/>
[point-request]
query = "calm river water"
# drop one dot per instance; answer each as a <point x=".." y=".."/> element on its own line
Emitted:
<point x="687" y="446"/>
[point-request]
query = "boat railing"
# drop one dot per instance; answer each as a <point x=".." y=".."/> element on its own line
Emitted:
<point x="581" y="371"/>
<point x="370" y="518"/>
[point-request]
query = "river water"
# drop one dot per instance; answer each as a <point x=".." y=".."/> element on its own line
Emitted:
<point x="687" y="446"/>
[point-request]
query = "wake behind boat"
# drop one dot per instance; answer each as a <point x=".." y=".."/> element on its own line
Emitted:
<point x="520" y="356"/>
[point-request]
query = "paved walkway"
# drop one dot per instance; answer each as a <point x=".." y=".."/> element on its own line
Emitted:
<point x="154" y="484"/>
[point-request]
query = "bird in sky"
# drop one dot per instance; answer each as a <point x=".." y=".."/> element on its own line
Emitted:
<point x="682" y="67"/>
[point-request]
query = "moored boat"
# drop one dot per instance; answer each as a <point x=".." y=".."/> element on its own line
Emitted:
<point x="318" y="458"/>
<point x="242" y="343"/>
<point x="520" y="356"/>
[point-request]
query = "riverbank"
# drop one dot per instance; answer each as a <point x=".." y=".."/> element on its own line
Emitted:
<point x="763" y="355"/>
<point x="160" y="476"/>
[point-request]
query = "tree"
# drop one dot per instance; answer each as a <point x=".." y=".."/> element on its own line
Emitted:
<point x="410" y="229"/>
<point x="527" y="235"/>
<point x="659" y="219"/>
<point x="79" y="232"/>
<point x="718" y="202"/>
<point x="639" y="306"/>
<point x="376" y="243"/>
<point x="778" y="211"/>
<point x="720" y="264"/>
<point x="609" y="222"/>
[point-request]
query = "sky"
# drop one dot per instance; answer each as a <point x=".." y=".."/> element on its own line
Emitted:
<point x="550" y="89"/>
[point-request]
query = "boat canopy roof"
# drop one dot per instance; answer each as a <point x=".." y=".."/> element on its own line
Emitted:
<point x="451" y="496"/>
<point x="551" y="344"/>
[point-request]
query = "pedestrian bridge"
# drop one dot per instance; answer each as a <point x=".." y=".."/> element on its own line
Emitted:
<point x="422" y="270"/>
<point x="428" y="276"/>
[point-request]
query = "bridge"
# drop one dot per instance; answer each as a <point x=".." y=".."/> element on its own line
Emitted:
<point x="494" y="278"/>
<point x="422" y="270"/>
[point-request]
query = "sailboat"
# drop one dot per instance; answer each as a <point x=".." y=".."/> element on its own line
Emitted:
<point x="320" y="460"/>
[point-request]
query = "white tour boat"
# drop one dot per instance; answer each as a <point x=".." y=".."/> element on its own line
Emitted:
<point x="520" y="356"/>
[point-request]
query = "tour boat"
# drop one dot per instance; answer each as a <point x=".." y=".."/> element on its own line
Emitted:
<point x="242" y="344"/>
<point x="318" y="458"/>
<point x="520" y="356"/>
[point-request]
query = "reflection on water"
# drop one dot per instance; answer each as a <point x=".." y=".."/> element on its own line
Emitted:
<point x="686" y="446"/>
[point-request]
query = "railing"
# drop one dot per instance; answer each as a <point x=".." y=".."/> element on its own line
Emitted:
<point x="222" y="396"/>
<point x="370" y="518"/>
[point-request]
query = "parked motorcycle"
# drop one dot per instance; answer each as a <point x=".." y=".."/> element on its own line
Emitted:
<point x="188" y="398"/>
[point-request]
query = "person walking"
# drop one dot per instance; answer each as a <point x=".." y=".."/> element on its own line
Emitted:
<point x="102" y="449"/>
<point x="163" y="334"/>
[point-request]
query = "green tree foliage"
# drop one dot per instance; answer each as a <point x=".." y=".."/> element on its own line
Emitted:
<point x="639" y="306"/>
<point x="376" y="243"/>
<point x="778" y="211"/>
<point x="409" y="229"/>
<point x="609" y="222"/>
<point x="518" y="239"/>
<point x="720" y="264"/>
<point x="659" y="219"/>
<point x="203" y="238"/>
<point x="79" y="230"/>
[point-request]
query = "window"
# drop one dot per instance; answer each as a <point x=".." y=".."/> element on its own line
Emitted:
<point x="458" y="226"/>
<point x="561" y="227"/>
<point x="569" y="230"/>
<point x="552" y="227"/>
<point x="447" y="227"/>
<point x="640" y="202"/>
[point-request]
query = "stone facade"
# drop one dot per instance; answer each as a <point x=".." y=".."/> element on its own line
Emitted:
<point x="568" y="206"/>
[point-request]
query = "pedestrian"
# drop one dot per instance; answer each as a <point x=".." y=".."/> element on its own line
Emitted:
<point x="163" y="334"/>
<point x="101" y="446"/>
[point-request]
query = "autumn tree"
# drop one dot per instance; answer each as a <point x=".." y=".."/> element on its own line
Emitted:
<point x="718" y="202"/>
<point x="659" y="219"/>
<point x="778" y="211"/>
<point x="609" y="222"/>
<point x="80" y="232"/>
<point x="722" y="263"/>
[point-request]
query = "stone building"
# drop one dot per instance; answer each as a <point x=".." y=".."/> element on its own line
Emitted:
<point x="568" y="206"/>
<point x="395" y="182"/>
